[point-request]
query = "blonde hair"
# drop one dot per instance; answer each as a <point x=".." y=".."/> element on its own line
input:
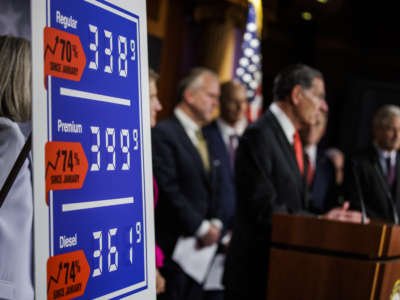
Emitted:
<point x="15" y="78"/>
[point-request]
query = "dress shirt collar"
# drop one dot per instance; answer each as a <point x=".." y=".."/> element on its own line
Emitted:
<point x="284" y="121"/>
<point x="241" y="125"/>
<point x="383" y="155"/>
<point x="226" y="131"/>
<point x="188" y="124"/>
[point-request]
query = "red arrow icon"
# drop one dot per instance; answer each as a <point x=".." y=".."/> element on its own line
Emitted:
<point x="66" y="166"/>
<point x="67" y="275"/>
<point x="63" y="55"/>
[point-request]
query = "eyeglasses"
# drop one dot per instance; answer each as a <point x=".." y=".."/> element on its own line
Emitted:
<point x="311" y="95"/>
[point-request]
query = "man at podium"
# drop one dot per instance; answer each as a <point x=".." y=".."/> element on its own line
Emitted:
<point x="271" y="176"/>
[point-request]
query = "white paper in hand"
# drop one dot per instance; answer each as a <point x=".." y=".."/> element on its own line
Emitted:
<point x="214" y="277"/>
<point x="194" y="262"/>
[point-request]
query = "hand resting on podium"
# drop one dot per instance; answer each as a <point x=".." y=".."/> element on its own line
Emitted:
<point x="344" y="214"/>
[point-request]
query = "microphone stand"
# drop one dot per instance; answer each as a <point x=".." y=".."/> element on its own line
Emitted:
<point x="359" y="192"/>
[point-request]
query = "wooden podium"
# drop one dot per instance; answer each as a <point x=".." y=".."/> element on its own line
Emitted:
<point x="319" y="259"/>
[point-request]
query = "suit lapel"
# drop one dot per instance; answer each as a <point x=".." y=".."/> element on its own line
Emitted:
<point x="396" y="192"/>
<point x="288" y="152"/>
<point x="188" y="145"/>
<point x="221" y="145"/>
<point x="286" y="147"/>
<point x="377" y="165"/>
<point x="390" y="203"/>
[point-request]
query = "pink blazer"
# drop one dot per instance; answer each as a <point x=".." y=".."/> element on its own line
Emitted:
<point x="159" y="253"/>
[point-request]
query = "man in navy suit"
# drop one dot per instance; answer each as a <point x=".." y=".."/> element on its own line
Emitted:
<point x="323" y="178"/>
<point x="186" y="175"/>
<point x="223" y="137"/>
<point x="378" y="169"/>
<point x="271" y="176"/>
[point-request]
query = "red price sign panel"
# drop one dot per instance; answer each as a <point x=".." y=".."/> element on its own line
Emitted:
<point x="66" y="165"/>
<point x="63" y="55"/>
<point x="67" y="275"/>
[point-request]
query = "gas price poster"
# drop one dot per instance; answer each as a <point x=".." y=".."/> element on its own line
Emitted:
<point x="94" y="232"/>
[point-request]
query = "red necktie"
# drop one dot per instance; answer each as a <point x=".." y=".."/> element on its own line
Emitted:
<point x="298" y="150"/>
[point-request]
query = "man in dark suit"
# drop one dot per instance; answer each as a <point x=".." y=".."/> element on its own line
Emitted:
<point x="223" y="137"/>
<point x="186" y="176"/>
<point x="377" y="169"/>
<point x="323" y="181"/>
<point x="271" y="177"/>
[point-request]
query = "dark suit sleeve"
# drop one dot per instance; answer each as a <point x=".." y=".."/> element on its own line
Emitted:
<point x="369" y="188"/>
<point x="165" y="170"/>
<point x="324" y="192"/>
<point x="255" y="191"/>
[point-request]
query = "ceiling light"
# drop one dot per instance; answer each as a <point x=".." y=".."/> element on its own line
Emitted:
<point x="306" y="15"/>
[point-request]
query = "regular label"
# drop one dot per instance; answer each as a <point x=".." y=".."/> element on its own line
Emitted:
<point x="63" y="55"/>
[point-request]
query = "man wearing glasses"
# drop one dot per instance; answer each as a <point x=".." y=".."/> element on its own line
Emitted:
<point x="271" y="176"/>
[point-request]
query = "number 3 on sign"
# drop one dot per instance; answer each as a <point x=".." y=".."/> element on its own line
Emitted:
<point x="108" y="51"/>
<point x="110" y="146"/>
<point x="112" y="251"/>
<point x="112" y="255"/>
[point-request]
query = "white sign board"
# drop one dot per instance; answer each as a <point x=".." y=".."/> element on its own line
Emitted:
<point x="93" y="188"/>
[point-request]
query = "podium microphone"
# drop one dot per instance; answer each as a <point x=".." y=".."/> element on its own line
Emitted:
<point x="359" y="192"/>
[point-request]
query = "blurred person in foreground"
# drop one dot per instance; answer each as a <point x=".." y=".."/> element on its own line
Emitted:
<point x="155" y="107"/>
<point x="223" y="136"/>
<point x="271" y="176"/>
<point x="16" y="213"/>
<point x="338" y="159"/>
<point x="377" y="169"/>
<point x="186" y="176"/>
<point x="324" y="174"/>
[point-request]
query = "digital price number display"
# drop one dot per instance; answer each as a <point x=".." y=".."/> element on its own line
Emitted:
<point x="94" y="171"/>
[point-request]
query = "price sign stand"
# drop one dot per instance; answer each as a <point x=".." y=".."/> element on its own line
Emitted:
<point x="94" y="231"/>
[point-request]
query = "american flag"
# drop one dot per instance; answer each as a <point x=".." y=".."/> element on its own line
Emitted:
<point x="248" y="70"/>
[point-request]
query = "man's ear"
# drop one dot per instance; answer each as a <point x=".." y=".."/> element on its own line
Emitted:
<point x="188" y="96"/>
<point x="296" y="94"/>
